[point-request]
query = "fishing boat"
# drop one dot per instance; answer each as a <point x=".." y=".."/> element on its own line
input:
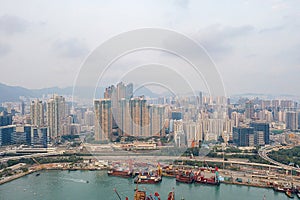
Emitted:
<point x="120" y="172"/>
<point x="185" y="177"/>
<point x="148" y="178"/>
<point x="169" y="171"/>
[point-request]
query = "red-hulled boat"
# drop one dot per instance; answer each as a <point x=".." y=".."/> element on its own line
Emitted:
<point x="185" y="177"/>
<point x="142" y="195"/>
<point x="201" y="178"/>
<point x="120" y="172"/>
<point x="289" y="194"/>
<point x="171" y="196"/>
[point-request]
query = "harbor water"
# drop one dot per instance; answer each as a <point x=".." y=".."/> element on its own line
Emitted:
<point x="96" y="185"/>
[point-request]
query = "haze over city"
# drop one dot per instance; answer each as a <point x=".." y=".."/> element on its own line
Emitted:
<point x="256" y="52"/>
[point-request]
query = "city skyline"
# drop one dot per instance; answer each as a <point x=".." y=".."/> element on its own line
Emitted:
<point x="260" y="48"/>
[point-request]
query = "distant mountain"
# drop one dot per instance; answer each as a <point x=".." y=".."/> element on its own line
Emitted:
<point x="12" y="93"/>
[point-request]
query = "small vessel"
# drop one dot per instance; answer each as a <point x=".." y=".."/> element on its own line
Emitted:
<point x="185" y="177"/>
<point x="289" y="194"/>
<point x="37" y="174"/>
<point x="298" y="195"/>
<point x="278" y="189"/>
<point x="171" y="196"/>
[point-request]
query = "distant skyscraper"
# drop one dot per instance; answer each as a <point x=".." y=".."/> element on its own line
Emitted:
<point x="291" y="120"/>
<point x="89" y="118"/>
<point x="118" y="92"/>
<point x="55" y="116"/>
<point x="176" y="115"/>
<point x="103" y="119"/>
<point x="109" y="91"/>
<point x="23" y="108"/>
<point x="129" y="91"/>
<point x="157" y="118"/>
<point x="121" y="91"/>
<point x="37" y="113"/>
<point x="200" y="99"/>
<point x="249" y="109"/>
<point x="139" y="115"/>
<point x="123" y="118"/>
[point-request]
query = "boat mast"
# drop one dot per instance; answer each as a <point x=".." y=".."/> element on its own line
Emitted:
<point x="117" y="194"/>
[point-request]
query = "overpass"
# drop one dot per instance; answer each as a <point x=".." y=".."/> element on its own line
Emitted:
<point x="263" y="153"/>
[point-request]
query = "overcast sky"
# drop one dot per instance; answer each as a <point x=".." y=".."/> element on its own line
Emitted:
<point x="254" y="44"/>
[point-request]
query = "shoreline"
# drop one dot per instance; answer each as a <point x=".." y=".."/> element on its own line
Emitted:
<point x="45" y="168"/>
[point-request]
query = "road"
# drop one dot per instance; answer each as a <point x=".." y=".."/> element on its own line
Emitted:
<point x="36" y="155"/>
<point x="263" y="153"/>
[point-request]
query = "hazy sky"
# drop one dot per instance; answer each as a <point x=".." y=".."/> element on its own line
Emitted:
<point x="255" y="44"/>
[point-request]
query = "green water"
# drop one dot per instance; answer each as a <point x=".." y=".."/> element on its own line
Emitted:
<point x="72" y="185"/>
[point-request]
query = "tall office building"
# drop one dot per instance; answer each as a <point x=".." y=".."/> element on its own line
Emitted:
<point x="55" y="116"/>
<point x="39" y="136"/>
<point x="37" y="113"/>
<point x="243" y="136"/>
<point x="6" y="134"/>
<point x="5" y="119"/>
<point x="22" y="135"/>
<point x="262" y="132"/>
<point x="103" y="119"/>
<point x="291" y="120"/>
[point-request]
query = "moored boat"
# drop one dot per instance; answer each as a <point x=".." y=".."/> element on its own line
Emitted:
<point x="185" y="177"/>
<point x="201" y="177"/>
<point x="120" y="172"/>
<point x="289" y="194"/>
<point x="210" y="181"/>
<point x="279" y="189"/>
<point x="147" y="178"/>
